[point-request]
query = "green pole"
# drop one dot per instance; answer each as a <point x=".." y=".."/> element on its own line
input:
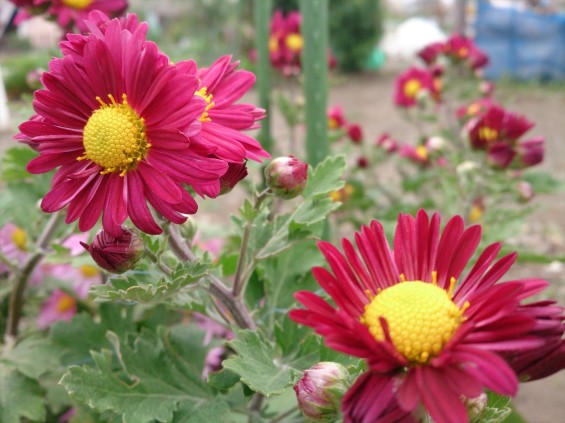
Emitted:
<point x="262" y="17"/>
<point x="314" y="29"/>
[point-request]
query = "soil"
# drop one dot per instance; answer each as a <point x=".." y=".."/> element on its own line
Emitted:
<point x="366" y="98"/>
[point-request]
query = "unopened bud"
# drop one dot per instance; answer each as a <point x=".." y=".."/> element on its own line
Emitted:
<point x="116" y="254"/>
<point x="525" y="191"/>
<point x="320" y="390"/>
<point x="286" y="176"/>
<point x="355" y="133"/>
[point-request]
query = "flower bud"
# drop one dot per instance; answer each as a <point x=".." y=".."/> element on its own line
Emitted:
<point x="320" y="390"/>
<point x="113" y="254"/>
<point x="525" y="191"/>
<point x="286" y="176"/>
<point x="476" y="407"/>
<point x="355" y="133"/>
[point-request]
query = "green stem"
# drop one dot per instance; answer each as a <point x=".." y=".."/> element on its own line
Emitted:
<point x="314" y="29"/>
<point x="12" y="267"/>
<point x="241" y="276"/>
<point x="235" y="305"/>
<point x="21" y="277"/>
<point x="262" y="16"/>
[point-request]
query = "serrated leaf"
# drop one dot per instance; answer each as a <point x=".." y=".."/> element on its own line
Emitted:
<point x="207" y="412"/>
<point x="326" y="177"/>
<point x="223" y="380"/>
<point x="145" y="379"/>
<point x="543" y="183"/>
<point x="20" y="397"/>
<point x="497" y="409"/>
<point x="35" y="355"/>
<point x="14" y="163"/>
<point x="126" y="288"/>
<point x="255" y="363"/>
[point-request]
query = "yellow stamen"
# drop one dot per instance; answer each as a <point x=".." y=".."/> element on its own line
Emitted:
<point x="114" y="137"/>
<point x="332" y="123"/>
<point x="65" y="303"/>
<point x="421" y="318"/>
<point x="422" y="152"/>
<point x="411" y="88"/>
<point x="488" y="134"/>
<point x="209" y="104"/>
<point x="473" y="109"/>
<point x="77" y="4"/>
<point x="19" y="238"/>
<point x="89" y="271"/>
<point x="294" y="42"/>
<point x="273" y="43"/>
<point x="476" y="213"/>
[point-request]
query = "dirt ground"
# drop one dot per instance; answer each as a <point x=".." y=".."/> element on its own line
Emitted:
<point x="367" y="100"/>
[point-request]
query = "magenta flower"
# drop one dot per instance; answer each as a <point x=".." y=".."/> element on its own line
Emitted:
<point x="82" y="278"/>
<point x="221" y="86"/>
<point x="236" y="172"/>
<point x="59" y="306"/>
<point x="355" y="133"/>
<point x="336" y="118"/>
<point x="74" y="12"/>
<point x="462" y="49"/>
<point x="413" y="84"/>
<point x="14" y="246"/>
<point x="431" y="336"/>
<point x="115" y="119"/>
<point x="387" y="143"/>
<point x="497" y="131"/>
<point x="430" y="53"/>
<point x="286" y="42"/>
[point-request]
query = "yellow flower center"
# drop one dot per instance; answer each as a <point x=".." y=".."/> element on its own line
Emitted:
<point x="273" y="43"/>
<point x="209" y="104"/>
<point x="488" y="134"/>
<point x="89" y="271"/>
<point x="463" y="52"/>
<point x="19" y="238"/>
<point x="422" y="152"/>
<point x="77" y="4"/>
<point x="411" y="88"/>
<point x="114" y="137"/>
<point x="332" y="123"/>
<point x="473" y="109"/>
<point x="421" y="318"/>
<point x="294" y="42"/>
<point x="476" y="213"/>
<point x="65" y="303"/>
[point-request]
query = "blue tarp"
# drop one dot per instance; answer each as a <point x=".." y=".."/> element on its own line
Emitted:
<point x="521" y="43"/>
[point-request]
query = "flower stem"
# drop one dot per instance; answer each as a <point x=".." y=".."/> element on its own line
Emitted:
<point x="22" y="276"/>
<point x="241" y="276"/>
<point x="235" y="305"/>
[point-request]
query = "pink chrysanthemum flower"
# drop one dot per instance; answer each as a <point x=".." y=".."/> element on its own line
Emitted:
<point x="59" y="306"/>
<point x="430" y="335"/>
<point x="498" y="131"/>
<point x="14" y="245"/>
<point x="74" y="12"/>
<point x="413" y="84"/>
<point x="221" y="86"/>
<point x="115" y="118"/>
<point x="286" y="42"/>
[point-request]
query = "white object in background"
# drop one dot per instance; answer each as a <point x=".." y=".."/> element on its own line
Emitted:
<point x="404" y="41"/>
<point x="4" y="112"/>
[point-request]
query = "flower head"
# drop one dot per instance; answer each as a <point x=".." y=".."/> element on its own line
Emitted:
<point x="320" y="389"/>
<point x="459" y="48"/>
<point x="14" y="245"/>
<point x="114" y="119"/>
<point x="221" y="86"/>
<point x="431" y="335"/>
<point x="336" y="118"/>
<point x="387" y="143"/>
<point x="286" y="42"/>
<point x="355" y="133"/>
<point x="116" y="254"/>
<point x="413" y="84"/>
<point x="287" y="176"/>
<point x="71" y="12"/>
<point x="59" y="306"/>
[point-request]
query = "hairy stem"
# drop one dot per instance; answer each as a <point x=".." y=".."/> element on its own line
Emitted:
<point x="241" y="276"/>
<point x="22" y="276"/>
<point x="235" y="305"/>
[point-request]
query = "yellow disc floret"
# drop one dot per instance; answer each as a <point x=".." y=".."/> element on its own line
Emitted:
<point x="114" y="137"/>
<point x="77" y="4"/>
<point x="65" y="303"/>
<point x="488" y="134"/>
<point x="19" y="238"/>
<point x="411" y="88"/>
<point x="421" y="318"/>
<point x="294" y="42"/>
<point x="202" y="92"/>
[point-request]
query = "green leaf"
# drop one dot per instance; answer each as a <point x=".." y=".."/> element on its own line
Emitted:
<point x="497" y="409"/>
<point x="543" y="183"/>
<point x="35" y="355"/>
<point x="126" y="288"/>
<point x="326" y="177"/>
<point x="208" y="412"/>
<point x="255" y="363"/>
<point x="223" y="380"/>
<point x="14" y="163"/>
<point x="147" y="378"/>
<point x="20" y="397"/>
